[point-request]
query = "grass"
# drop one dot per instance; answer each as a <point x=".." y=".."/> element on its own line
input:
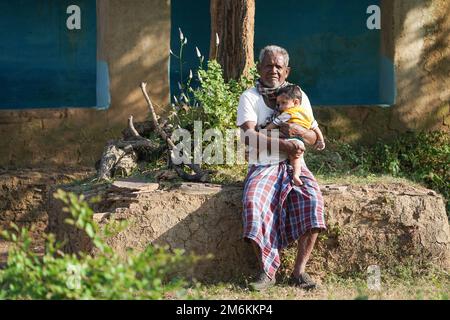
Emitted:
<point x="435" y="285"/>
<point x="236" y="174"/>
<point x="226" y="175"/>
<point x="340" y="178"/>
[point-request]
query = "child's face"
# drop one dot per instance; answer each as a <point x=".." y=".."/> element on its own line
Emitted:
<point x="284" y="102"/>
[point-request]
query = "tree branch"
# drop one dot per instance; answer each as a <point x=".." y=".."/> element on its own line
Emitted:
<point x="199" y="175"/>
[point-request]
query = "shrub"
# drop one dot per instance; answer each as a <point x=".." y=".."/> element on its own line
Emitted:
<point x="422" y="157"/>
<point x="214" y="102"/>
<point x="150" y="274"/>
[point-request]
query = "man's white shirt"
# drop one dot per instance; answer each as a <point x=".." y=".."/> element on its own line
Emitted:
<point x="253" y="108"/>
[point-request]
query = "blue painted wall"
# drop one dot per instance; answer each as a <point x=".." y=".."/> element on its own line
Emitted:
<point x="193" y="18"/>
<point x="42" y="63"/>
<point x="334" y="57"/>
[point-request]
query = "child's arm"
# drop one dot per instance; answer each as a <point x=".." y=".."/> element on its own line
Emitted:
<point x="320" y="143"/>
<point x="284" y="117"/>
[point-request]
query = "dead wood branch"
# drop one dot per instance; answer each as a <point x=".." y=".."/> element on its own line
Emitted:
<point x="158" y="128"/>
<point x="143" y="128"/>
<point x="112" y="158"/>
<point x="121" y="156"/>
<point x="199" y="175"/>
<point x="132" y="128"/>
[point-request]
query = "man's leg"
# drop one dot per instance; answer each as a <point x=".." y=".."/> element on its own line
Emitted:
<point x="304" y="222"/>
<point x="259" y="201"/>
<point x="305" y="247"/>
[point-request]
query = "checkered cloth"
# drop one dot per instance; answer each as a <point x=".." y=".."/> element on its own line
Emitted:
<point x="269" y="93"/>
<point x="277" y="212"/>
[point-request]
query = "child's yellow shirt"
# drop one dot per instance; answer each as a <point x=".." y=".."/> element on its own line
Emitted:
<point x="297" y="115"/>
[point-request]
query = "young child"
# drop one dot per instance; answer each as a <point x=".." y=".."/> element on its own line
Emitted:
<point x="289" y="100"/>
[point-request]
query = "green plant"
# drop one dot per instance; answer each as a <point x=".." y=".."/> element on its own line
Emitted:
<point x="422" y="157"/>
<point x="151" y="274"/>
<point x="207" y="97"/>
<point x="214" y="102"/>
<point x="219" y="99"/>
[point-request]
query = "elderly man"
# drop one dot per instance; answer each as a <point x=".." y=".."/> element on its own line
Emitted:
<point x="277" y="212"/>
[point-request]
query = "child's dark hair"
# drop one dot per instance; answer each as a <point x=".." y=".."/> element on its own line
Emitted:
<point x="291" y="91"/>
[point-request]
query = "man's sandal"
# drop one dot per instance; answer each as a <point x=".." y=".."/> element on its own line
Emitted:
<point x="304" y="281"/>
<point x="262" y="282"/>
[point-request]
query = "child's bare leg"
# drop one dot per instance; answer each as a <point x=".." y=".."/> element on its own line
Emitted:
<point x="296" y="163"/>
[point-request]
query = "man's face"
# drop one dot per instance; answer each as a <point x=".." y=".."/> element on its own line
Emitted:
<point x="272" y="70"/>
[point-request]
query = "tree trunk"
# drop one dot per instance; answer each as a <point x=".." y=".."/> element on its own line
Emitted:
<point x="234" y="22"/>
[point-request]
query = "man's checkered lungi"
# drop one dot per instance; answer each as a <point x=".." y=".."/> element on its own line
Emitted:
<point x="276" y="212"/>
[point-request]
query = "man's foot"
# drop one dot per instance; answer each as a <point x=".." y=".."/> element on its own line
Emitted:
<point x="304" y="281"/>
<point x="262" y="282"/>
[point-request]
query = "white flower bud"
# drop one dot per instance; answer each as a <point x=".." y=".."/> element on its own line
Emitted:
<point x="217" y="40"/>
<point x="181" y="34"/>
<point x="198" y="52"/>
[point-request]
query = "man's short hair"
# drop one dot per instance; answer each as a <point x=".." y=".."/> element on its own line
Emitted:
<point x="274" y="49"/>
<point x="291" y="91"/>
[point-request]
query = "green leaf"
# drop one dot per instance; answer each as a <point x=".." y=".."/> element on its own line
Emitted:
<point x="90" y="230"/>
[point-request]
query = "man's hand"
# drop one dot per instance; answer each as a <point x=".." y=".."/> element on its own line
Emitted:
<point x="290" y="130"/>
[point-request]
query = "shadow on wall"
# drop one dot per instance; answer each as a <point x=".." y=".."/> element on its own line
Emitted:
<point x="421" y="51"/>
<point x="191" y="218"/>
<point x="214" y="228"/>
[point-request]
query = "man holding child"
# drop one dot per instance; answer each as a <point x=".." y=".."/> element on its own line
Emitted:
<point x="277" y="210"/>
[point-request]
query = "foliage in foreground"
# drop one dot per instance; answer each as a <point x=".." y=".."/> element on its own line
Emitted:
<point x="151" y="274"/>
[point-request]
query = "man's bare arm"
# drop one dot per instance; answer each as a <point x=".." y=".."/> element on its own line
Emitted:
<point x="289" y="147"/>
<point x="295" y="130"/>
<point x="271" y="126"/>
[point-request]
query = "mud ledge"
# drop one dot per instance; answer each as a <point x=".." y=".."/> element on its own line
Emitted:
<point x="24" y="196"/>
<point x="383" y="224"/>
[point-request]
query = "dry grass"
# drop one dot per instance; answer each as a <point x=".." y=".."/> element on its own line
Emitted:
<point x="236" y="174"/>
<point x="433" y="286"/>
<point x="362" y="180"/>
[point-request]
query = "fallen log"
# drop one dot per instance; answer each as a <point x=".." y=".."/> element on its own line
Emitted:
<point x="121" y="157"/>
